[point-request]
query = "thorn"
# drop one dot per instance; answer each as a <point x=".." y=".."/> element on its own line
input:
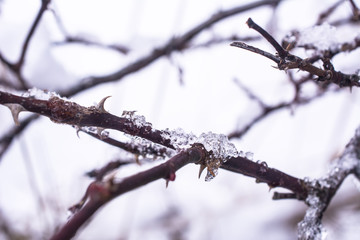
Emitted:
<point x="171" y="177"/>
<point x="99" y="131"/>
<point x="100" y="105"/>
<point x="15" y="110"/>
<point x="137" y="159"/>
<point x="78" y="129"/>
<point x="202" y="167"/>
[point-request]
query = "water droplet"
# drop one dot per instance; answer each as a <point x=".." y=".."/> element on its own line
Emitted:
<point x="241" y="154"/>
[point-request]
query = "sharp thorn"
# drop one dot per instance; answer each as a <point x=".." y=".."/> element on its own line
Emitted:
<point x="15" y="110"/>
<point x="202" y="167"/>
<point x="99" y="130"/>
<point x="100" y="105"/>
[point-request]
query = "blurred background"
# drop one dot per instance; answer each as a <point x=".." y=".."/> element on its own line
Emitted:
<point x="208" y="86"/>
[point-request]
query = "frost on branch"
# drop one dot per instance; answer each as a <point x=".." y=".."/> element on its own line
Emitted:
<point x="323" y="37"/>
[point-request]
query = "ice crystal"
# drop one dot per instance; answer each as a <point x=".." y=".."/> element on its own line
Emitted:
<point x="149" y="149"/>
<point x="218" y="145"/>
<point x="179" y="138"/>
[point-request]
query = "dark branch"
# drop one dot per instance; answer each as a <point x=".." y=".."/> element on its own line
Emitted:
<point x="288" y="61"/>
<point x="256" y="50"/>
<point x="99" y="193"/>
<point x="282" y="52"/>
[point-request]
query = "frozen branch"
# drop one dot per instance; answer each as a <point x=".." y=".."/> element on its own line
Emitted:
<point x="321" y="191"/>
<point x="66" y="112"/>
<point x="179" y="43"/>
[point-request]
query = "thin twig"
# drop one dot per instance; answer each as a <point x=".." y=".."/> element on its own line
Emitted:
<point x="282" y="52"/>
<point x="256" y="50"/>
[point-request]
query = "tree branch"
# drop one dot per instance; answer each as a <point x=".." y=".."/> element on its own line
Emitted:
<point x="175" y="44"/>
<point x="287" y="61"/>
<point x="99" y="193"/>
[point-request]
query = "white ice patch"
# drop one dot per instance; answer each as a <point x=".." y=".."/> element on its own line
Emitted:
<point x="322" y="37"/>
<point x="40" y="94"/>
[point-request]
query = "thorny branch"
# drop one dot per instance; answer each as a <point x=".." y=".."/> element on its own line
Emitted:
<point x="286" y="61"/>
<point x="178" y="43"/>
<point x="319" y="191"/>
<point x="102" y="191"/>
<point x="66" y="112"/>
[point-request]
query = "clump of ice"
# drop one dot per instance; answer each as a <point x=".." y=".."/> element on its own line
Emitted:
<point x="138" y="120"/>
<point x="218" y="146"/>
<point x="322" y="37"/>
<point x="220" y="149"/>
<point x="179" y="138"/>
<point x="39" y="94"/>
<point x="310" y="228"/>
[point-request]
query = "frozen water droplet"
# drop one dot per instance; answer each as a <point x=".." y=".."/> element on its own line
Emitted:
<point x="241" y="154"/>
<point x="104" y="134"/>
<point x="211" y="175"/>
<point x="249" y="155"/>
